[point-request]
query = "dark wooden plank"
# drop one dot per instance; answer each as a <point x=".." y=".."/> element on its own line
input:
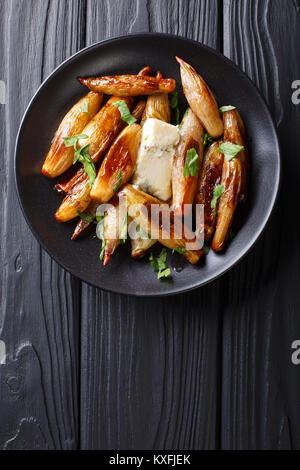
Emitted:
<point x="39" y="316"/>
<point x="260" y="385"/>
<point x="150" y="367"/>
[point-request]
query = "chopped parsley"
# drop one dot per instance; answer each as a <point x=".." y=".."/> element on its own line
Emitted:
<point x="82" y="155"/>
<point x="174" y="106"/>
<point x="85" y="107"/>
<point x="231" y="233"/>
<point x="85" y="217"/>
<point x="180" y="249"/>
<point x="207" y="140"/>
<point x="185" y="114"/>
<point x="159" y="264"/>
<point x="123" y="235"/>
<point x="223" y="109"/>
<point x="206" y="248"/>
<point x="124" y="111"/>
<point x="191" y="166"/>
<point x="218" y="191"/>
<point x="119" y="180"/>
<point x="100" y="233"/>
<point x="142" y="232"/>
<point x="164" y="274"/>
<point x="72" y="141"/>
<point x="230" y="150"/>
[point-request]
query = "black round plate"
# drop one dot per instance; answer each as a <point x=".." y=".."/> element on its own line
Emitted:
<point x="128" y="55"/>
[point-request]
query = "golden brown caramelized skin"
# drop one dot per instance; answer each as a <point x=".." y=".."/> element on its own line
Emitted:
<point x="200" y="99"/>
<point x="169" y="236"/>
<point x="100" y="131"/>
<point x="234" y="178"/>
<point x="60" y="157"/>
<point x="139" y="109"/>
<point x="83" y="225"/>
<point x="114" y="220"/>
<point x="147" y="70"/>
<point x="103" y="128"/>
<point x="184" y="188"/>
<point x="78" y="198"/>
<point x="129" y="85"/>
<point x="210" y="176"/>
<point x="235" y="132"/>
<point x="157" y="106"/>
<point x="118" y="165"/>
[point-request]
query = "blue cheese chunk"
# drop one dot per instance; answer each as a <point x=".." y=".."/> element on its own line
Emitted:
<point x="154" y="163"/>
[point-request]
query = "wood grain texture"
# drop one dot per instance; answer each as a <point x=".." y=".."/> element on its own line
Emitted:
<point x="207" y="369"/>
<point x="260" y="384"/>
<point x="150" y="367"/>
<point x="39" y="316"/>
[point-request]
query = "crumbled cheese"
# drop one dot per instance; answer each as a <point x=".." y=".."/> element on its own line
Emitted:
<point x="154" y="163"/>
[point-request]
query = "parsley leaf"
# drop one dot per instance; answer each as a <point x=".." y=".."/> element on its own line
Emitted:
<point x="231" y="233"/>
<point x="125" y="113"/>
<point x="174" y="105"/>
<point x="100" y="233"/>
<point x="206" y="248"/>
<point x="191" y="166"/>
<point x="165" y="273"/>
<point x="99" y="218"/>
<point x="119" y="180"/>
<point x="72" y="141"/>
<point x="142" y="232"/>
<point x="223" y="109"/>
<point x="230" y="150"/>
<point x="207" y="140"/>
<point x="82" y="155"/>
<point x="160" y="265"/>
<point x="85" y="107"/>
<point x="218" y="191"/>
<point x="154" y="262"/>
<point x="123" y="235"/>
<point x="180" y="249"/>
<point x="85" y="217"/>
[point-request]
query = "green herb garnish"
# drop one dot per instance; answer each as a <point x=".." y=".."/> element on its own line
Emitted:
<point x="72" y="141"/>
<point x="207" y="140"/>
<point x="218" y="191"/>
<point x="123" y="235"/>
<point x="191" y="166"/>
<point x="230" y="150"/>
<point x="101" y="234"/>
<point x="119" y="180"/>
<point x="231" y="233"/>
<point x="125" y="113"/>
<point x="82" y="155"/>
<point x="160" y="265"/>
<point x="99" y="218"/>
<point x="223" y="109"/>
<point x="180" y="249"/>
<point x="206" y="248"/>
<point x="85" y="217"/>
<point x="165" y="273"/>
<point x="85" y="107"/>
<point x="174" y="106"/>
<point x="142" y="232"/>
<point x="185" y="114"/>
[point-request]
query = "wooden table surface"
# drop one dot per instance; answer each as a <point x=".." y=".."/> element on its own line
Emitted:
<point x="205" y="370"/>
